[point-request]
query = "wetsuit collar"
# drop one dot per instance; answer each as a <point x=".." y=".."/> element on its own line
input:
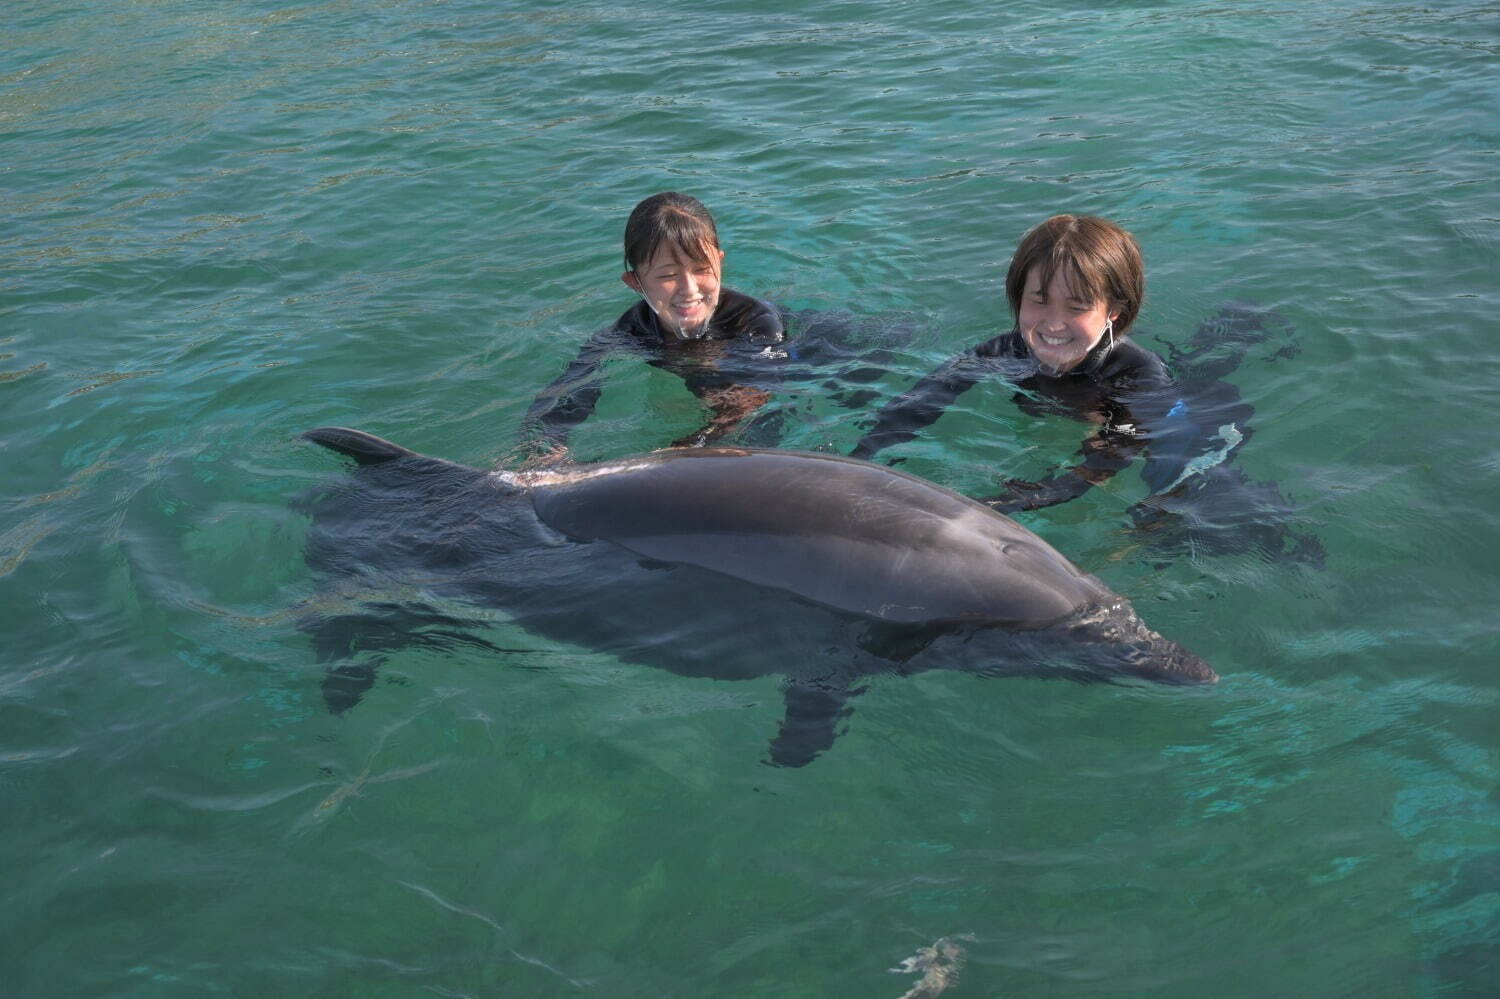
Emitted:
<point x="667" y="336"/>
<point x="1091" y="363"/>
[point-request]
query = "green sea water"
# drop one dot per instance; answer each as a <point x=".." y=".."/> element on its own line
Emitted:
<point x="224" y="223"/>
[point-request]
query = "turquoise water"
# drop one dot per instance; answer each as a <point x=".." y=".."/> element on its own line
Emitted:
<point x="227" y="223"/>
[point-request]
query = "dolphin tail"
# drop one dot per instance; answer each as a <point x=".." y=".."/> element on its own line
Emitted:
<point x="367" y="449"/>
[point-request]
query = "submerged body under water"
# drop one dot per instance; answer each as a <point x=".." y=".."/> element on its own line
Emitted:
<point x="1188" y="423"/>
<point x="1200" y="500"/>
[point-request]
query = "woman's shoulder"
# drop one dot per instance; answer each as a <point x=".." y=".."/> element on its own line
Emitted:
<point x="1135" y="366"/>
<point x="742" y="315"/>
<point x="638" y="320"/>
<point x="1007" y="344"/>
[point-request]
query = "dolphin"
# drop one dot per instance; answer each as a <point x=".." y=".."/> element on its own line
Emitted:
<point x="729" y="563"/>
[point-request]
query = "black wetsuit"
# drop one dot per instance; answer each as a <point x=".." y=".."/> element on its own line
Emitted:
<point x="1117" y="387"/>
<point x="738" y="348"/>
<point x="1190" y="430"/>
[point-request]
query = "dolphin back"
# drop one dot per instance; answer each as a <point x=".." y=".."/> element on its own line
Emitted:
<point x="845" y="533"/>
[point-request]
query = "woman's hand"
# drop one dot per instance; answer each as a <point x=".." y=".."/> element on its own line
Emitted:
<point x="729" y="406"/>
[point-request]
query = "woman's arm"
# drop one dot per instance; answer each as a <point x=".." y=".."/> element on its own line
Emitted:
<point x="1139" y="413"/>
<point x="900" y="419"/>
<point x="1105" y="453"/>
<point x="730" y="406"/>
<point x="571" y="398"/>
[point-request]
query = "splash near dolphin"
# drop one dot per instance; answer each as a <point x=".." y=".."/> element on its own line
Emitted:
<point x="730" y="564"/>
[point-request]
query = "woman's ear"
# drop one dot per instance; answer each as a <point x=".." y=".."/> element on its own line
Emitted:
<point x="630" y="279"/>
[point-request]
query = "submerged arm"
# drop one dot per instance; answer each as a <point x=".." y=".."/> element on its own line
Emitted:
<point x="1104" y="454"/>
<point x="901" y="418"/>
<point x="730" y="406"/>
<point x="755" y="327"/>
<point x="570" y="399"/>
<point x="1131" y="424"/>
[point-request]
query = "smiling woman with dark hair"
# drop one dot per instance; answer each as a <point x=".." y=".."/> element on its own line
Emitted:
<point x="674" y="262"/>
<point x="1075" y="285"/>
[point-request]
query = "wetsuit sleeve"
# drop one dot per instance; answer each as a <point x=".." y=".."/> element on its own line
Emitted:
<point x="765" y="324"/>
<point x="571" y="398"/>
<point x="1105" y="453"/>
<point x="1129" y="429"/>
<point x="745" y="317"/>
<point x="900" y="419"/>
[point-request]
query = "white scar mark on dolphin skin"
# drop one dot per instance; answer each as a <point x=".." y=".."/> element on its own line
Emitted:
<point x="545" y="477"/>
<point x="498" y="927"/>
<point x="939" y="964"/>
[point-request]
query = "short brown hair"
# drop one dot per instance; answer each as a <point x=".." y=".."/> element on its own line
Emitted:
<point x="673" y="219"/>
<point x="1099" y="259"/>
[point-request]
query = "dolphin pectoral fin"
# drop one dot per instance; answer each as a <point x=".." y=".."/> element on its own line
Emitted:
<point x="369" y="450"/>
<point x="898" y="642"/>
<point x="813" y="712"/>
<point x="355" y="645"/>
<point x="345" y="685"/>
<point x="338" y="642"/>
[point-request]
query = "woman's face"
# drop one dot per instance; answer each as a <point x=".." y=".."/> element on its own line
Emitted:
<point x="683" y="293"/>
<point x="1058" y="326"/>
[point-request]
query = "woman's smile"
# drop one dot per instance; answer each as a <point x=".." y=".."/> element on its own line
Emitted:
<point x="683" y="292"/>
<point x="1058" y="326"/>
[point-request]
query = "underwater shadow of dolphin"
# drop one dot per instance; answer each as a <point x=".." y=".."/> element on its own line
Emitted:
<point x="697" y="560"/>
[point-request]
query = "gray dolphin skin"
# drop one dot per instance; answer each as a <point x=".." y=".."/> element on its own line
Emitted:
<point x="717" y="562"/>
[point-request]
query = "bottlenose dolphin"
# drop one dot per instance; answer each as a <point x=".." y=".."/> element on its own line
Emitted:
<point x="728" y="563"/>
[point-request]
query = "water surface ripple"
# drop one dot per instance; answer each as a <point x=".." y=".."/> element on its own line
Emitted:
<point x="228" y="223"/>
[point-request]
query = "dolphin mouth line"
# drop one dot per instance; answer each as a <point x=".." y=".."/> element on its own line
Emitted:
<point x="1100" y="614"/>
<point x="1150" y="656"/>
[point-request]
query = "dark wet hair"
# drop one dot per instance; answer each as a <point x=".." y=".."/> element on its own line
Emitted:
<point x="673" y="219"/>
<point x="1098" y="258"/>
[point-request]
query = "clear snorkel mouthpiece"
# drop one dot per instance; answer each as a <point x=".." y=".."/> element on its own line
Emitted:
<point x="677" y="327"/>
<point x="1105" y="344"/>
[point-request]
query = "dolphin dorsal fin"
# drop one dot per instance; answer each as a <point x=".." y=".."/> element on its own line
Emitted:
<point x="367" y="449"/>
